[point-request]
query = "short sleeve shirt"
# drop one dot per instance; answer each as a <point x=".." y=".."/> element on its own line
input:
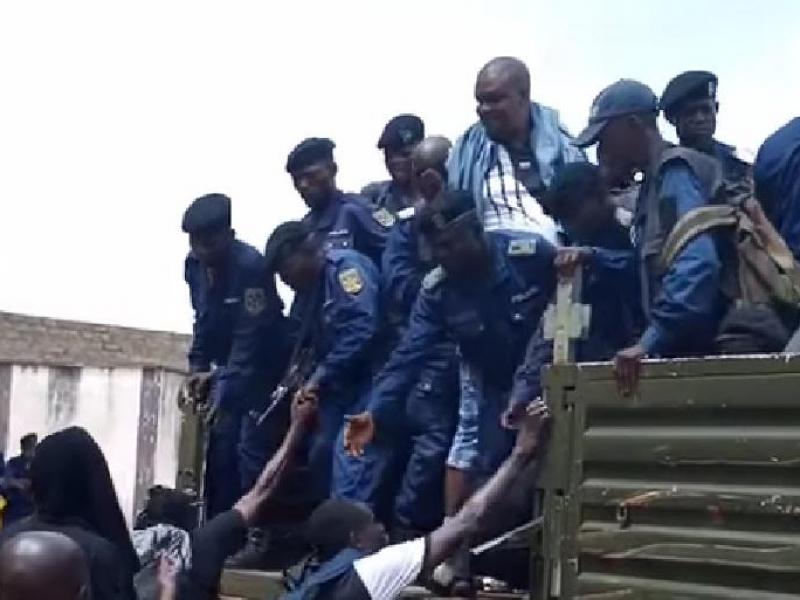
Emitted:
<point x="383" y="575"/>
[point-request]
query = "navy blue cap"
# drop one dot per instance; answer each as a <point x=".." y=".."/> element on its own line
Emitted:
<point x="624" y="97"/>
<point x="211" y="212"/>
<point x="401" y="131"/>
<point x="285" y="236"/>
<point x="690" y="85"/>
<point x="308" y="152"/>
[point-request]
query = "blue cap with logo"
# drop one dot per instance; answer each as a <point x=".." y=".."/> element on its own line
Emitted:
<point x="624" y="97"/>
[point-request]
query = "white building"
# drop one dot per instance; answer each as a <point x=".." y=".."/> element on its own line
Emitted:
<point x="118" y="383"/>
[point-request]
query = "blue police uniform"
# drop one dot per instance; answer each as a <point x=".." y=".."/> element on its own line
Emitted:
<point x="777" y="179"/>
<point x="387" y="195"/>
<point x="684" y="305"/>
<point x="610" y="288"/>
<point x="734" y="169"/>
<point x="491" y="321"/>
<point x="346" y="343"/>
<point x="347" y="221"/>
<point x="239" y="330"/>
<point x="431" y="406"/>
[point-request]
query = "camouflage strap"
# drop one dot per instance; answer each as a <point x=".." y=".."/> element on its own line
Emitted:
<point x="692" y="224"/>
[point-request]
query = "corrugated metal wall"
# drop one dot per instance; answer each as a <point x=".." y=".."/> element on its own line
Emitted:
<point x="132" y="413"/>
<point x="688" y="489"/>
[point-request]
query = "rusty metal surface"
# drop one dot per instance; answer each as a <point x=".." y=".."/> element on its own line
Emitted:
<point x="688" y="489"/>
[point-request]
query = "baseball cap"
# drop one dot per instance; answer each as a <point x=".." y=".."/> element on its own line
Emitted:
<point x="624" y="97"/>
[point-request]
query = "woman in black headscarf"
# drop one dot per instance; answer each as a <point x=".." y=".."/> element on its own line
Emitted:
<point x="74" y="494"/>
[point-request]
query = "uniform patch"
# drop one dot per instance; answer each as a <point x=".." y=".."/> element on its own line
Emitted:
<point x="433" y="278"/>
<point x="384" y="217"/>
<point x="351" y="281"/>
<point x="522" y="247"/>
<point x="406" y="213"/>
<point x="255" y="300"/>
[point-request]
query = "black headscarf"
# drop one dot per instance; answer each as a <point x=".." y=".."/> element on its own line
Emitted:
<point x="70" y="482"/>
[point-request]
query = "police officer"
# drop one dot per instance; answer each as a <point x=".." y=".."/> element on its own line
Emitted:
<point x="343" y="220"/>
<point x="690" y="104"/>
<point x="238" y="349"/>
<point x="431" y="406"/>
<point x="337" y="303"/>
<point x="579" y="200"/>
<point x="487" y="295"/>
<point x="683" y="302"/>
<point x="397" y="142"/>
<point x="777" y="180"/>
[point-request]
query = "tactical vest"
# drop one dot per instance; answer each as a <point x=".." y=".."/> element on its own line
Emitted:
<point x="659" y="220"/>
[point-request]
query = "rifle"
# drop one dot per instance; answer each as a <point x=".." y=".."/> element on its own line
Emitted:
<point x="300" y="369"/>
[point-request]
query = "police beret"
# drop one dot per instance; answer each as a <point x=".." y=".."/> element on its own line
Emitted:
<point x="308" y="152"/>
<point x="283" y="239"/>
<point x="402" y="131"/>
<point x="690" y="85"/>
<point x="451" y="207"/>
<point x="208" y="213"/>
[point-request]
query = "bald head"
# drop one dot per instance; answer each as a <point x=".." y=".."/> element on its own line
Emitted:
<point x="430" y="165"/>
<point x="44" y="565"/>
<point x="503" y="91"/>
<point x="511" y="71"/>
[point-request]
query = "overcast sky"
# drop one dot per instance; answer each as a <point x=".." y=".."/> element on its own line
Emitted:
<point x="115" y="115"/>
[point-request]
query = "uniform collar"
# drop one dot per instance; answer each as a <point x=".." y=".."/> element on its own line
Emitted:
<point x="326" y="218"/>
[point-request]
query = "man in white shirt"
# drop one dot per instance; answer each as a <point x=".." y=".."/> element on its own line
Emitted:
<point x="365" y="568"/>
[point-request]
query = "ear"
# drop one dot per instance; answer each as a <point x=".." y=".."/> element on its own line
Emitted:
<point x="716" y="106"/>
<point x="334" y="169"/>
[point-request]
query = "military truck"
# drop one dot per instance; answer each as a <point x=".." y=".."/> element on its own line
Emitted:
<point x="689" y="488"/>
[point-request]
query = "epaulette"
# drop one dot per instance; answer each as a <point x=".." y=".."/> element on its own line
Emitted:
<point x="406" y="213"/>
<point x="522" y="247"/>
<point x="433" y="278"/>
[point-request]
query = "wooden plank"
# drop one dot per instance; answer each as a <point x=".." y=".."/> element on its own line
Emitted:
<point x="771" y="552"/>
<point x="595" y="586"/>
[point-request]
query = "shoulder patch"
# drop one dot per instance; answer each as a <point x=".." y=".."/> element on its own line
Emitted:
<point x="384" y="217"/>
<point x="255" y="300"/>
<point x="406" y="213"/>
<point x="524" y="247"/>
<point x="351" y="281"/>
<point x="433" y="278"/>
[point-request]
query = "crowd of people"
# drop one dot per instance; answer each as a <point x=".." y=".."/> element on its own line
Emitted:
<point x="400" y="395"/>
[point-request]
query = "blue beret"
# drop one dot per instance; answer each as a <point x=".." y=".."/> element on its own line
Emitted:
<point x="208" y="213"/>
<point x="308" y="152"/>
<point x="402" y="131"/>
<point x="285" y="235"/>
<point x="451" y="207"/>
<point x="690" y="85"/>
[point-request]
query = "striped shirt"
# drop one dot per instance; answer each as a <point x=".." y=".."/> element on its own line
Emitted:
<point x="511" y="206"/>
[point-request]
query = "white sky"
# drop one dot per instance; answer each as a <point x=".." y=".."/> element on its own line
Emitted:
<point x="115" y="115"/>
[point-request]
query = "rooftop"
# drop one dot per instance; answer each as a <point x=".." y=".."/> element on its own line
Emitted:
<point x="27" y="339"/>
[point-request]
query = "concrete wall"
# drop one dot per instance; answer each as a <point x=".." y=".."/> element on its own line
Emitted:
<point x="131" y="412"/>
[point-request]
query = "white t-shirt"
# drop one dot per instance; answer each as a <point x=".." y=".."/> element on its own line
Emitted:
<point x="385" y="574"/>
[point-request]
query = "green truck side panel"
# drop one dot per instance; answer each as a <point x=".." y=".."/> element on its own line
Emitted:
<point x="688" y="489"/>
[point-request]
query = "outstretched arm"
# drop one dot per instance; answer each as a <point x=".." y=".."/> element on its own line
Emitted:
<point x="304" y="410"/>
<point x="446" y="539"/>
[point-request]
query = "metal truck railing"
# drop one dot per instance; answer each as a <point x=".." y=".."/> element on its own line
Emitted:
<point x="688" y="489"/>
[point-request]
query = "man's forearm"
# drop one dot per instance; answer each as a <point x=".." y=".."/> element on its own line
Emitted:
<point x="270" y="478"/>
<point x="447" y="538"/>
